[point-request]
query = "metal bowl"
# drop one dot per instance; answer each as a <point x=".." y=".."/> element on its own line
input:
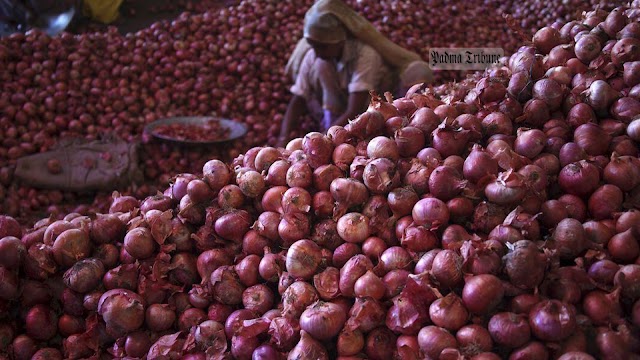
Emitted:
<point x="236" y="129"/>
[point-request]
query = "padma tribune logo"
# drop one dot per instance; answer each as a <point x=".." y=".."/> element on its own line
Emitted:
<point x="464" y="58"/>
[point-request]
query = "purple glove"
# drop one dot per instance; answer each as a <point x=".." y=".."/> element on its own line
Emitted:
<point x="327" y="120"/>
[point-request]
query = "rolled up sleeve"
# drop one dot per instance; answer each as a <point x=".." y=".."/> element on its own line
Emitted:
<point x="302" y="86"/>
<point x="368" y="71"/>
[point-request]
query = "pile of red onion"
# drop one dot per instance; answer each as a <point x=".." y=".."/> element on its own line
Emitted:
<point x="496" y="218"/>
<point x="214" y="61"/>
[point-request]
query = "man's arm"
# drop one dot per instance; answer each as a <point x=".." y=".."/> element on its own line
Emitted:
<point x="356" y="105"/>
<point x="297" y="106"/>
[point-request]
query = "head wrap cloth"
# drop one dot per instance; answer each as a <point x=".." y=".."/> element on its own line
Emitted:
<point x="329" y="21"/>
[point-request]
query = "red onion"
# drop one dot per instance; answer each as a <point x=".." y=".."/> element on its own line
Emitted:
<point x="308" y="347"/>
<point x="549" y="91"/>
<point x="623" y="247"/>
<point x="226" y="286"/>
<point x="552" y="320"/>
<point x="625" y="109"/>
<point x="448" y="312"/>
<point x="345" y="252"/>
<point x="317" y="148"/>
<point x="628" y="220"/>
<point x="449" y="141"/>
<point x="191" y="317"/>
<point x="592" y="139"/>
<point x="266" y="351"/>
<point x="530" y="142"/>
<point x="625" y="50"/>
<point x="409" y="141"/>
<point x="600" y="95"/>
<point x="41" y="322"/>
<point x="303" y="259"/>
<point x="531" y="350"/>
<point x="373" y="247"/>
<point x="633" y="130"/>
<point x="258" y="298"/>
<point x="216" y="174"/>
<point x="277" y="173"/>
<point x="323" y="320"/>
<point x="47" y="354"/>
<point x="380" y="344"/>
<point x="605" y="201"/>
<point x="23" y="347"/>
<point x="337" y="134"/>
<point x="447" y="268"/>
<point x="348" y="192"/>
<point x="588" y="48"/>
<point x="122" y="310"/>
<point x="482" y="293"/>
<point x="300" y="175"/>
<point x="84" y="276"/>
<point x="395" y="258"/>
<point x="524" y="264"/>
<point x="12" y="252"/>
<point x="382" y="147"/>
<point x="230" y="196"/>
<point x="369" y="285"/>
<point x="418" y="238"/>
<point x="139" y="243"/>
<point x="251" y="183"/>
<point x="353" y="227"/>
<point x="576" y="207"/>
<point x="434" y="339"/>
<point x="350" y="343"/>
<point x="401" y="200"/>
<point x="509" y="329"/>
<point x="156" y="202"/>
<point x="602" y="308"/>
<point x="479" y="164"/>
<point x="509" y="188"/>
<point x="445" y="183"/>
<point x="70" y="246"/>
<point x="580" y="178"/>
<point x="424" y="119"/>
<point x="247" y="270"/>
<point x="265" y="158"/>
<point x="580" y="114"/>
<point x="208" y="261"/>
<point x="520" y="86"/>
<point x="569" y="238"/>
<point x="107" y="228"/>
<point x="297" y="297"/>
<point x="380" y="175"/>
<point x="394" y="281"/>
<point x="430" y="212"/>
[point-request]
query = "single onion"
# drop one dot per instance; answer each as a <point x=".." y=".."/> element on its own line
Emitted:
<point x="434" y="339"/>
<point x="552" y="320"/>
<point x="509" y="329"/>
<point x="303" y="259"/>
<point x="323" y="320"/>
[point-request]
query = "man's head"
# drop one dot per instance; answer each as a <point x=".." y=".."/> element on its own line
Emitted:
<point x="326" y="35"/>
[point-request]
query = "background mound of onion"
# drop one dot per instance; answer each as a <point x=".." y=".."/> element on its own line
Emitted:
<point x="220" y="61"/>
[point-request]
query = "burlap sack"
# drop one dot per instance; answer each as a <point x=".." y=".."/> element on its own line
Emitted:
<point x="98" y="165"/>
